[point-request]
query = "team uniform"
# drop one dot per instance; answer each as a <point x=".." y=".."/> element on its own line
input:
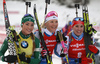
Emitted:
<point x="76" y="49"/>
<point x="76" y="46"/>
<point x="26" y="45"/>
<point x="50" y="41"/>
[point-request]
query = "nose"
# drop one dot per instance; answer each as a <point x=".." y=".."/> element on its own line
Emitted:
<point x="55" y="23"/>
<point x="29" y="27"/>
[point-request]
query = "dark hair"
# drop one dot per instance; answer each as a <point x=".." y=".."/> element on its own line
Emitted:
<point x="33" y="38"/>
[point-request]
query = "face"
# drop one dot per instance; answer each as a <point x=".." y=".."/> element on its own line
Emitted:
<point x="27" y="27"/>
<point x="52" y="25"/>
<point x="78" y="29"/>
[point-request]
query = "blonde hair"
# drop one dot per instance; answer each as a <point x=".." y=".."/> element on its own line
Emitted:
<point x="43" y="25"/>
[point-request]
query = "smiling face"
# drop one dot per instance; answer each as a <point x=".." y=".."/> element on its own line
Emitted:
<point x="52" y="25"/>
<point x="27" y="27"/>
<point x="78" y="29"/>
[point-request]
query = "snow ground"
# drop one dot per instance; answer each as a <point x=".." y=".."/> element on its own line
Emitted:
<point x="65" y="14"/>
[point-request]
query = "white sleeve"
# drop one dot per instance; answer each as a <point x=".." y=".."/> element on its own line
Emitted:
<point x="93" y="40"/>
<point x="36" y="33"/>
<point x="59" y="47"/>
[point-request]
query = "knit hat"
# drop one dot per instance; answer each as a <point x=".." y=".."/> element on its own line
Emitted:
<point x="51" y="15"/>
<point x="27" y="17"/>
<point x="77" y="20"/>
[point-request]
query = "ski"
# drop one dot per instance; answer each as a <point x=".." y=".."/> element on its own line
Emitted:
<point x="48" y="58"/>
<point x="13" y="47"/>
<point x="88" y="31"/>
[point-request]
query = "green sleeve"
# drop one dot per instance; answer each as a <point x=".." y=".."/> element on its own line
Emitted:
<point x="37" y="54"/>
<point x="4" y="47"/>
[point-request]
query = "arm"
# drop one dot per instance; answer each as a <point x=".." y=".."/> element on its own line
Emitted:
<point x="56" y="50"/>
<point x="58" y="47"/>
<point x="3" y="49"/>
<point x="93" y="48"/>
<point x="37" y="52"/>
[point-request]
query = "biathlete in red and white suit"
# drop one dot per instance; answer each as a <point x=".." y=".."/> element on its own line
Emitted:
<point x="76" y="46"/>
<point x="49" y="33"/>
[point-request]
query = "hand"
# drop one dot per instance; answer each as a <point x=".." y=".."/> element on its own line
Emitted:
<point x="62" y="51"/>
<point x="64" y="38"/>
<point x="93" y="49"/>
<point x="86" y="60"/>
<point x="91" y="29"/>
<point x="65" y="50"/>
<point x="23" y="58"/>
<point x="10" y="58"/>
<point x="44" y="52"/>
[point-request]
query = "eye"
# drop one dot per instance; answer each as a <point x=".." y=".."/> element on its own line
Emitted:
<point x="51" y="21"/>
<point x="76" y="26"/>
<point x="56" y="21"/>
<point x="27" y="24"/>
<point x="82" y="26"/>
<point x="32" y="24"/>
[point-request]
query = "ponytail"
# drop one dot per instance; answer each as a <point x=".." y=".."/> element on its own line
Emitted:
<point x="33" y="38"/>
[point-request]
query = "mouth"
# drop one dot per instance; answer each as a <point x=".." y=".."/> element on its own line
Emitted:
<point x="28" y="30"/>
<point x="78" y="31"/>
<point x="54" y="27"/>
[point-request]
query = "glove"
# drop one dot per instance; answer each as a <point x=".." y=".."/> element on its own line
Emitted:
<point x="44" y="53"/>
<point x="86" y="60"/>
<point x="91" y="29"/>
<point x="64" y="37"/>
<point x="65" y="50"/>
<point x="93" y="49"/>
<point x="23" y="58"/>
<point x="57" y="38"/>
<point x="9" y="58"/>
<point x="62" y="51"/>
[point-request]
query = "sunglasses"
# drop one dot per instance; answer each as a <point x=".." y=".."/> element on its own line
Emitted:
<point x="52" y="13"/>
<point x="78" y="18"/>
<point x="28" y="15"/>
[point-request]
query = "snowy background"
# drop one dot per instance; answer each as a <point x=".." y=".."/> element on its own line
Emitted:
<point x="16" y="10"/>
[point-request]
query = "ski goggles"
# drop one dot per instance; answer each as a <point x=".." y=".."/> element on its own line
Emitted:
<point x="52" y="13"/>
<point x="28" y="15"/>
<point x="78" y="19"/>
